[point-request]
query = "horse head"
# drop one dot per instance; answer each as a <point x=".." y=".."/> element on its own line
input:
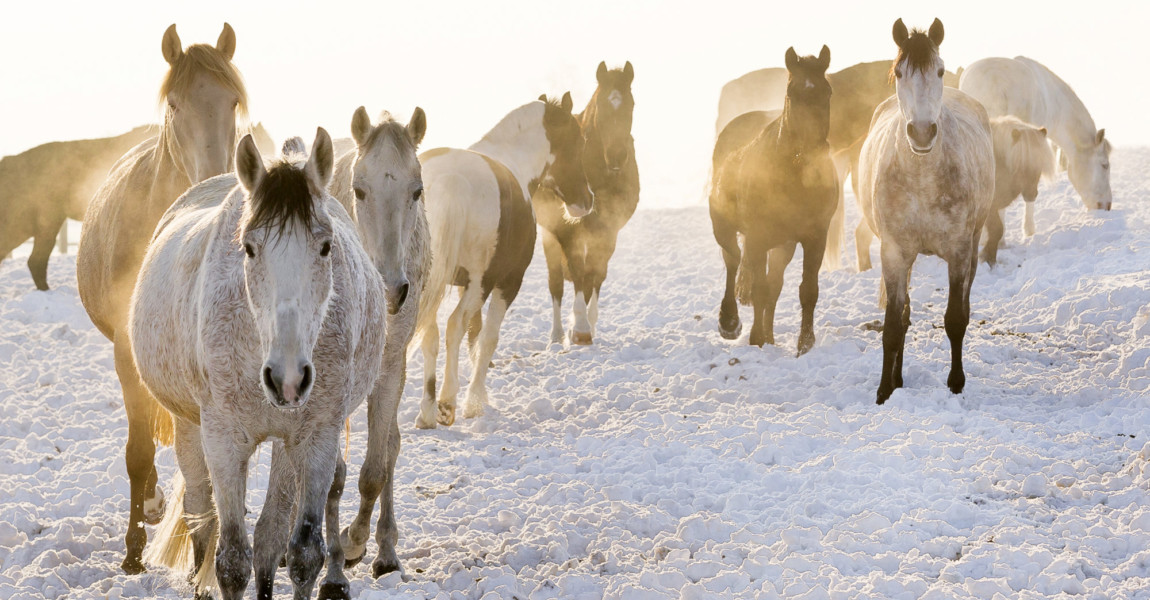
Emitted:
<point x="609" y="134"/>
<point x="564" y="171"/>
<point x="388" y="183"/>
<point x="1089" y="171"/>
<point x="809" y="91"/>
<point x="288" y="243"/>
<point x="918" y="75"/>
<point x="204" y="94"/>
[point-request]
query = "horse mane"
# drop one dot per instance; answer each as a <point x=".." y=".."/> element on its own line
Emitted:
<point x="918" y="52"/>
<point x="201" y="58"/>
<point x="282" y="198"/>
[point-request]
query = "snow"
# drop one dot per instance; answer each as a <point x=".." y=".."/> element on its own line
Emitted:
<point x="665" y="462"/>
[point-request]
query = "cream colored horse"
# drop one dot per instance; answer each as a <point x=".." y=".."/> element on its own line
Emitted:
<point x="258" y="316"/>
<point x="204" y="95"/>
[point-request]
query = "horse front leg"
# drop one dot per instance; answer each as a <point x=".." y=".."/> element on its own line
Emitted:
<point x="895" y="274"/>
<point x="597" y="265"/>
<point x="755" y="260"/>
<point x="553" y="252"/>
<point x="335" y="585"/>
<point x="777" y="261"/>
<point x="1028" y="203"/>
<point x="728" y="238"/>
<point x="489" y="339"/>
<point x="146" y="498"/>
<point x="470" y="300"/>
<point x="197" y="504"/>
<point x="580" y="334"/>
<point x="316" y="458"/>
<point x="227" y="461"/>
<point x="386" y="531"/>
<point x="961" y="272"/>
<point x="274" y="524"/>
<point x="809" y="292"/>
<point x="994" y="230"/>
<point x="863" y="237"/>
<point x="41" y="250"/>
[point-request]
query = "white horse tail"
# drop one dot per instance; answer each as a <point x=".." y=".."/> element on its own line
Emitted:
<point x="833" y="256"/>
<point x="447" y="232"/>
<point x="172" y="545"/>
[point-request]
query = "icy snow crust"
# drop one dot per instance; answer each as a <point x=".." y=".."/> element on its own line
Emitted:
<point x="664" y="462"/>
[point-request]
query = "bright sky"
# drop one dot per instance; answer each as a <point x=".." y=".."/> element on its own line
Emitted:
<point x="72" y="70"/>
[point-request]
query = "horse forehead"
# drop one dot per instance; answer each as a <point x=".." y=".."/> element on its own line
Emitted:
<point x="615" y="98"/>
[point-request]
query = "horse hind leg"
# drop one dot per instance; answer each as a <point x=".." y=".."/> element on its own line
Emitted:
<point x="729" y="325"/>
<point x="45" y="240"/>
<point x="961" y="272"/>
<point x="470" y="300"/>
<point x="1028" y="223"/>
<point x="766" y="292"/>
<point x="994" y="230"/>
<point x="386" y="531"/>
<point x="429" y="344"/>
<point x="809" y="294"/>
<point x="863" y="238"/>
<point x="489" y="339"/>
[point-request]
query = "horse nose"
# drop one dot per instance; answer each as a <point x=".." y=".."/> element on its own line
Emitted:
<point x="921" y="135"/>
<point x="395" y="296"/>
<point x="288" y="390"/>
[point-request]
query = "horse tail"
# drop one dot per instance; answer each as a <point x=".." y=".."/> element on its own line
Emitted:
<point x="447" y="231"/>
<point x="744" y="279"/>
<point x="172" y="545"/>
<point x="833" y="255"/>
<point x="163" y="429"/>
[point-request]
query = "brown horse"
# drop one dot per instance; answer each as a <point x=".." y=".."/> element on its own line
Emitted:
<point x="204" y="94"/>
<point x="859" y="89"/>
<point x="777" y="190"/>
<point x="577" y="244"/>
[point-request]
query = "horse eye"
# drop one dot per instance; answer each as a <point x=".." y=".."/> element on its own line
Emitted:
<point x="941" y="71"/>
<point x="417" y="196"/>
<point x="1105" y="167"/>
<point x="898" y="74"/>
<point x="251" y="252"/>
<point x="326" y="249"/>
<point x="359" y="193"/>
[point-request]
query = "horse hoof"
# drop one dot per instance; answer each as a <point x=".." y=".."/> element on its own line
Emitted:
<point x="380" y="568"/>
<point x="731" y="333"/>
<point x="956" y="382"/>
<point x="132" y="565"/>
<point x="446" y="416"/>
<point x="883" y="394"/>
<point x="330" y="590"/>
<point x="581" y="338"/>
<point x="349" y="547"/>
<point x="154" y="507"/>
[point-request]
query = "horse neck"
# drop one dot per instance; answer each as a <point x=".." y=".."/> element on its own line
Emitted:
<point x="803" y="128"/>
<point x="520" y="143"/>
<point x="1067" y="120"/>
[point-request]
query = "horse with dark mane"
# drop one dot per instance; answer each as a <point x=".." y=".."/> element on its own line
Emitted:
<point x="577" y="244"/>
<point x="776" y="186"/>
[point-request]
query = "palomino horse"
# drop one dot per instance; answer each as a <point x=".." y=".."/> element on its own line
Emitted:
<point x="483" y="237"/>
<point x="858" y="90"/>
<point x="381" y="186"/>
<point x="578" y="245"/>
<point x="1022" y="157"/>
<point x="1028" y="90"/>
<point x="258" y="315"/>
<point x="776" y="186"/>
<point x="204" y="95"/>
<point x="926" y="178"/>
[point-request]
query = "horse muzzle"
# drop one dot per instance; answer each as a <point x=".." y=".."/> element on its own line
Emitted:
<point x="921" y="136"/>
<point x="288" y="389"/>
<point x="396" y="295"/>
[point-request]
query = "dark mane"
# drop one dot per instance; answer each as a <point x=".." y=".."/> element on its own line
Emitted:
<point x="918" y="52"/>
<point x="282" y="198"/>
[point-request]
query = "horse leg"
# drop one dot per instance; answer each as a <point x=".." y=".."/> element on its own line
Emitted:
<point x="477" y="389"/>
<point x="227" y="460"/>
<point x="863" y="238"/>
<point x="553" y="252"/>
<point x="580" y="333"/>
<point x="777" y="261"/>
<point x="335" y="585"/>
<point x="474" y="326"/>
<point x="197" y="493"/>
<point x="729" y="326"/>
<point x="429" y="344"/>
<point x="1028" y="203"/>
<point x="146" y="499"/>
<point x="756" y="258"/>
<point x="809" y="292"/>
<point x="386" y="531"/>
<point x="41" y="250"/>
<point x="961" y="271"/>
<point x="994" y="229"/>
<point x="316" y="461"/>
<point x="274" y="523"/>
<point x="895" y="275"/>
<point x="598" y="267"/>
<point x="470" y="300"/>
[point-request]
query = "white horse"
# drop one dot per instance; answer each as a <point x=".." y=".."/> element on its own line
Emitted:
<point x="483" y="236"/>
<point x="258" y="315"/>
<point x="380" y="184"/>
<point x="1022" y="157"/>
<point x="204" y="94"/>
<point x="926" y="182"/>
<point x="1028" y="90"/>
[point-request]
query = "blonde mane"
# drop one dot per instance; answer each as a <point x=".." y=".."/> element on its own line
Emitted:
<point x="201" y="58"/>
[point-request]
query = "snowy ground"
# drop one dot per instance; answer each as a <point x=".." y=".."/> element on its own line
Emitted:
<point x="665" y="462"/>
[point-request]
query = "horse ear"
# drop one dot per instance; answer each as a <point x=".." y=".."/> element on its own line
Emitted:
<point x="249" y="164"/>
<point x="1101" y="136"/>
<point x="319" y="166"/>
<point x="1014" y="133"/>
<point x="227" y="42"/>
<point x="1042" y="130"/>
<point x="417" y="126"/>
<point x="935" y="33"/>
<point x="601" y="72"/>
<point x="360" y="126"/>
<point x="900" y="33"/>
<point x="824" y="58"/>
<point x="542" y="97"/>
<point x="567" y="104"/>
<point x="171" y="46"/>
<point x="792" y="59"/>
<point x="629" y="73"/>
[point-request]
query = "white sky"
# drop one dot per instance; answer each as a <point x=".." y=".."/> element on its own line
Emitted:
<point x="72" y="70"/>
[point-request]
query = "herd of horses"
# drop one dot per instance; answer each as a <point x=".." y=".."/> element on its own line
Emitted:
<point x="252" y="297"/>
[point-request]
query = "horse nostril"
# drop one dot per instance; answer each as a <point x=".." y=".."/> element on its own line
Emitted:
<point x="305" y="382"/>
<point x="402" y="294"/>
<point x="933" y="130"/>
<point x="270" y="383"/>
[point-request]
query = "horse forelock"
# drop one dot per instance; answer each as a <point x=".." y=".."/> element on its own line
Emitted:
<point x="203" y="58"/>
<point x="283" y="198"/>
<point x="917" y="52"/>
<point x="391" y="130"/>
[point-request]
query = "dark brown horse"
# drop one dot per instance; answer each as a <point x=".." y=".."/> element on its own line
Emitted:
<point x="577" y="244"/>
<point x="775" y="184"/>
